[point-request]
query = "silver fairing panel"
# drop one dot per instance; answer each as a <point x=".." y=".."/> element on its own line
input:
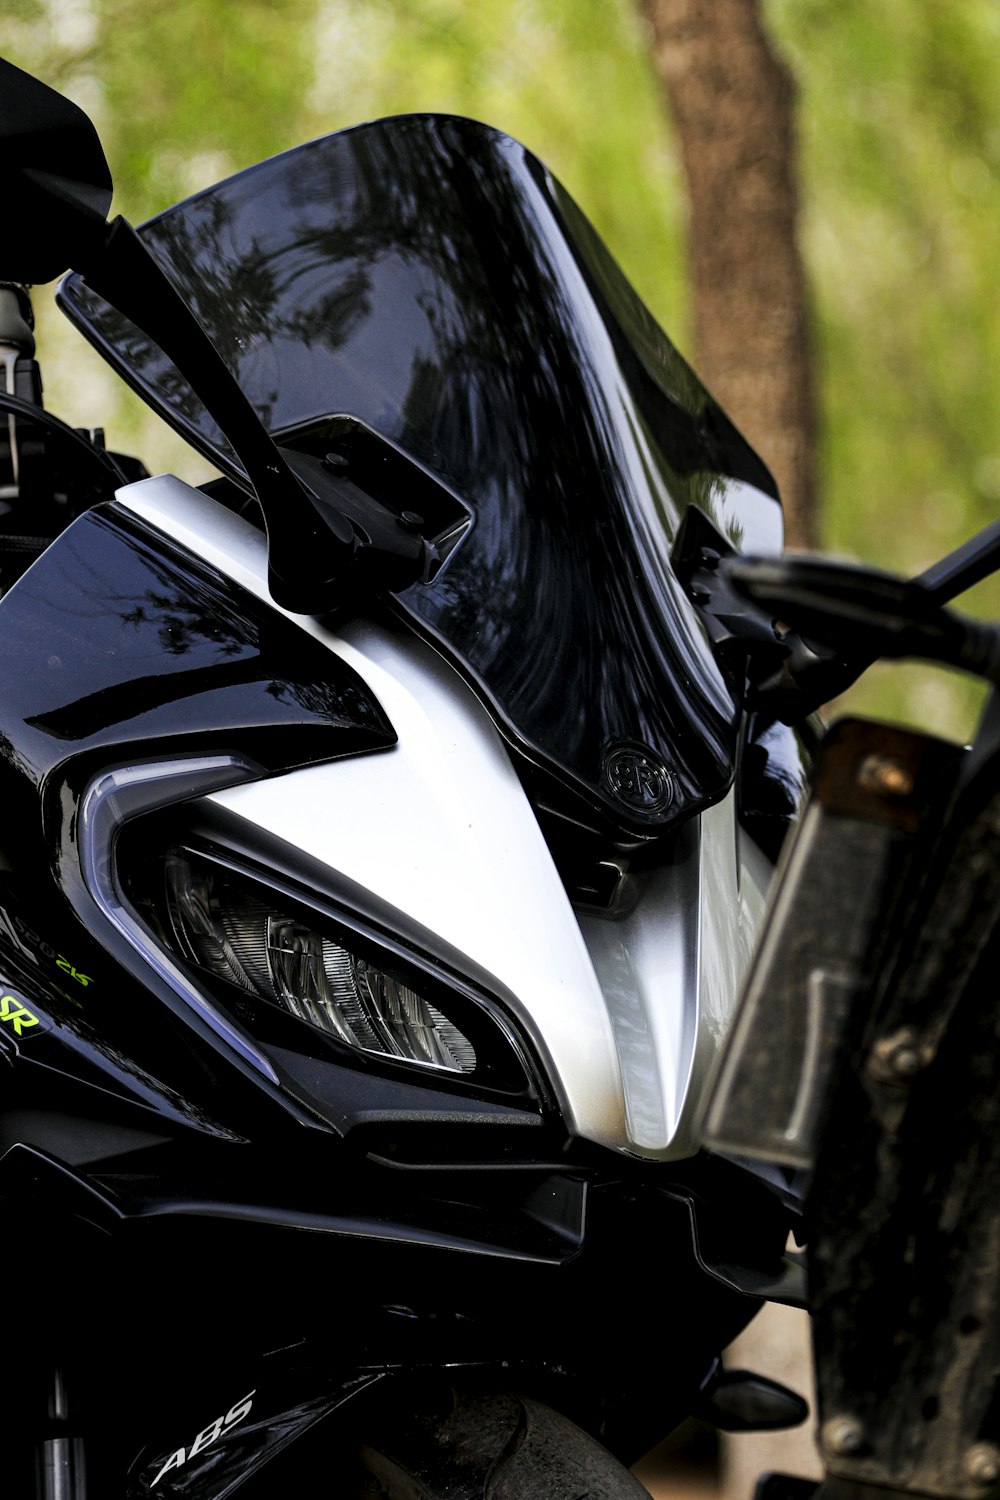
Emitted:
<point x="625" y="1013"/>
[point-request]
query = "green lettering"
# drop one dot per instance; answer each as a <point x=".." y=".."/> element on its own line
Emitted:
<point x="13" y="1011"/>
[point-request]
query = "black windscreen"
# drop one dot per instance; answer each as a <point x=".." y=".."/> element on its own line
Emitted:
<point x="426" y="277"/>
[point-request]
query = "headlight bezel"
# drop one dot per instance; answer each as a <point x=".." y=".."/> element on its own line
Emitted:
<point x="506" y="1072"/>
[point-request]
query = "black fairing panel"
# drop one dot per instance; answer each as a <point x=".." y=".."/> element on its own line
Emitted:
<point x="119" y="645"/>
<point x="426" y="277"/>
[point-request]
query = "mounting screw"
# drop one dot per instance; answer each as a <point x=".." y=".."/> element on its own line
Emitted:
<point x="898" y="1057"/>
<point x="885" y="776"/>
<point x="981" y="1464"/>
<point x="842" y="1436"/>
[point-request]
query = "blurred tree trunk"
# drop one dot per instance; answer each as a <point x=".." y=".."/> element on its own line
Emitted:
<point x="732" y="102"/>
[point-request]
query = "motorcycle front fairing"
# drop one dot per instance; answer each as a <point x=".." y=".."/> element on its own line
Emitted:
<point x="523" y="797"/>
<point x="307" y="1237"/>
<point x="419" y="309"/>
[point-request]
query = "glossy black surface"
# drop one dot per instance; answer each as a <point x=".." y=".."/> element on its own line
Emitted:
<point x="775" y="765"/>
<point x="429" y="278"/>
<point x="54" y="180"/>
<point x="115" y="645"/>
<point x="169" y="1320"/>
<point x="118" y="648"/>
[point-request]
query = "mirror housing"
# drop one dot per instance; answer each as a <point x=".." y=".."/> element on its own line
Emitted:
<point x="55" y="183"/>
<point x="55" y="186"/>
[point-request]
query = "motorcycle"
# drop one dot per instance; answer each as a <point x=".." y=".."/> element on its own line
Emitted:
<point x="390" y="824"/>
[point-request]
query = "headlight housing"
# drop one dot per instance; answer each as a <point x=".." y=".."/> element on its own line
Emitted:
<point x="226" y="930"/>
<point x="313" y="978"/>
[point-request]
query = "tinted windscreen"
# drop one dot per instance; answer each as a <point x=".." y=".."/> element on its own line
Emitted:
<point x="426" y="277"/>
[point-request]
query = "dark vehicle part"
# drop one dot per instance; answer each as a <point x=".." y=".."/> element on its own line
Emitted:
<point x="848" y="617"/>
<point x="462" y="327"/>
<point x="471" y="1446"/>
<point x="868" y="1040"/>
<point x="58" y="187"/>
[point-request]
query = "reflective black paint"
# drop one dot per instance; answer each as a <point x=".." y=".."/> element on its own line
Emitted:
<point x="117" y="644"/>
<point x="175" y="1315"/>
<point x="426" y="276"/>
<point x="775" y="765"/>
<point x="116" y="648"/>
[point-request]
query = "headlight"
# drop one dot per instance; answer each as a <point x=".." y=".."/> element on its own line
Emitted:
<point x="222" y="928"/>
<point x="278" y="963"/>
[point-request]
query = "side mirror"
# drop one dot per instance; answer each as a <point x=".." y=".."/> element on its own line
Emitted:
<point x="55" y="184"/>
<point x="55" y="188"/>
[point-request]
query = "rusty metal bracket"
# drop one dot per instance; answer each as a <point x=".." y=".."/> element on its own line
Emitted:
<point x="903" y="1211"/>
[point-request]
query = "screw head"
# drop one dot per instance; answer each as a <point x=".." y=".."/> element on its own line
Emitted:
<point x="885" y="776"/>
<point x="842" y="1436"/>
<point x="981" y="1464"/>
<point x="898" y="1057"/>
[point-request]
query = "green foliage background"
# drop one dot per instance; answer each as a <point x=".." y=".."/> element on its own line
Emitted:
<point x="899" y="115"/>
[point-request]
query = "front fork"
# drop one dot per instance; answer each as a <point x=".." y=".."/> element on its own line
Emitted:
<point x="60" y="1460"/>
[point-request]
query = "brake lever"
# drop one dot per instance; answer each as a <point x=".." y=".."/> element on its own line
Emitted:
<point x="845" y="617"/>
<point x="794" y="631"/>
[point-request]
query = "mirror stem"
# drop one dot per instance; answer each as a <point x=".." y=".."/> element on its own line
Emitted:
<point x="973" y="561"/>
<point x="310" y="545"/>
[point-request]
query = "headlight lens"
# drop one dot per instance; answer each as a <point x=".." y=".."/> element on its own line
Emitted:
<point x="287" y="968"/>
<point x="222" y="928"/>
